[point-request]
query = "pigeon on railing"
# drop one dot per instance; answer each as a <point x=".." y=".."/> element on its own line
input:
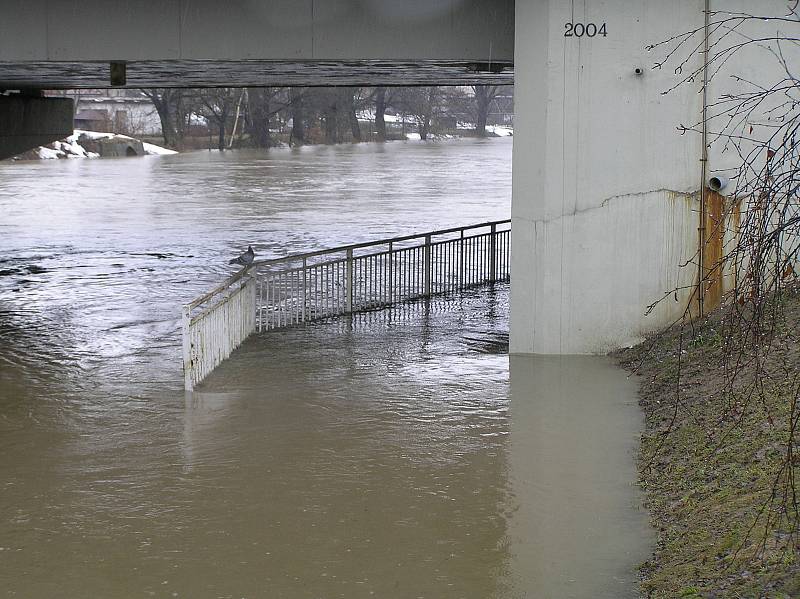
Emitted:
<point x="245" y="259"/>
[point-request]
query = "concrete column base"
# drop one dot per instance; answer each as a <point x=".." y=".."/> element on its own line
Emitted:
<point x="27" y="122"/>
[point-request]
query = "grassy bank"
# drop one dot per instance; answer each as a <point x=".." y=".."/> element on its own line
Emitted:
<point x="715" y="465"/>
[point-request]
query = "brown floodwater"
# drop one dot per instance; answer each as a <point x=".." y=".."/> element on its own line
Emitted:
<point x="398" y="453"/>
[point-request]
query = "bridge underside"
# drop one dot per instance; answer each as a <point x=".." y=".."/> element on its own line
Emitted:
<point x="207" y="43"/>
<point x="254" y="73"/>
<point x="48" y="45"/>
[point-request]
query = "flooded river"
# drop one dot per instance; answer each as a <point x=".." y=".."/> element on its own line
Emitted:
<point x="396" y="454"/>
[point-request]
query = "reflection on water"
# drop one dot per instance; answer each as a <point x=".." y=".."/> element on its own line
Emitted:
<point x="390" y="455"/>
<point x="579" y="532"/>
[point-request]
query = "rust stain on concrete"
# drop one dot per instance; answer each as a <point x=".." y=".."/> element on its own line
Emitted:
<point x="714" y="242"/>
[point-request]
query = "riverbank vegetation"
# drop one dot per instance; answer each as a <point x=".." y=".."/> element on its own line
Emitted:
<point x="719" y="461"/>
<point x="720" y="457"/>
<point x="269" y="116"/>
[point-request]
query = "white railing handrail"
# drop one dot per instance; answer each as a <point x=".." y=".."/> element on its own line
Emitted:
<point x="366" y="244"/>
<point x="336" y="250"/>
<point x="344" y="281"/>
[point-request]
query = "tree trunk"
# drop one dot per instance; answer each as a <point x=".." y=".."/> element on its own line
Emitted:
<point x="330" y="126"/>
<point x="168" y="131"/>
<point x="330" y="114"/>
<point x="380" y="110"/>
<point x="221" y="120"/>
<point x="484" y="94"/>
<point x="180" y="122"/>
<point x="162" y="101"/>
<point x="355" y="127"/>
<point x="298" y="133"/>
<point x="348" y="104"/>
<point x="427" y="116"/>
<point x="258" y="113"/>
<point x="221" y="138"/>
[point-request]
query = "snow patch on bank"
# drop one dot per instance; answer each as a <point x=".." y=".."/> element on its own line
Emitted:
<point x="71" y="147"/>
<point x="500" y="130"/>
<point x="46" y="153"/>
<point x="154" y="150"/>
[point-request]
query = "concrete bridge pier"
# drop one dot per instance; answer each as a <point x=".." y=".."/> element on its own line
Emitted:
<point x="28" y="120"/>
<point x="605" y="189"/>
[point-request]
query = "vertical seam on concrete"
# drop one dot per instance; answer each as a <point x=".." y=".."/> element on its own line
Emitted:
<point x="47" y="30"/>
<point x="578" y="146"/>
<point x="313" y="32"/>
<point x="563" y="186"/>
<point x="180" y="28"/>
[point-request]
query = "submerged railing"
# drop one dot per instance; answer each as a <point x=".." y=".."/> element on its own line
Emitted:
<point x="364" y="276"/>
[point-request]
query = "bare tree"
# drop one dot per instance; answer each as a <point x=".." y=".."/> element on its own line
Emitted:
<point x="263" y="104"/>
<point x="422" y="103"/>
<point x="169" y="105"/>
<point x="217" y="105"/>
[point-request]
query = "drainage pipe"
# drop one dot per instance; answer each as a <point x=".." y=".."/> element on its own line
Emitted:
<point x="701" y="273"/>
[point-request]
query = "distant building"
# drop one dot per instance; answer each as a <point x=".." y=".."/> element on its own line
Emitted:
<point x="501" y="110"/>
<point x="93" y="120"/>
<point x="124" y="111"/>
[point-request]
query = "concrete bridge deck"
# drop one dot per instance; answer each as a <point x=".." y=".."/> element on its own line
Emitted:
<point x="170" y="43"/>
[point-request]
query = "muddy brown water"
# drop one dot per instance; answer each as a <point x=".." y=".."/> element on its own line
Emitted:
<point x="400" y="453"/>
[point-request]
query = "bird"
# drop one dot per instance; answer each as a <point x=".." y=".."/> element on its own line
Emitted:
<point x="245" y="259"/>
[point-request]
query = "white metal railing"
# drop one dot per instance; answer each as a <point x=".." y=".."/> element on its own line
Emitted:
<point x="285" y="291"/>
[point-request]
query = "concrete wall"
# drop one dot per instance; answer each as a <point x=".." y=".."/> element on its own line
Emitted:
<point x="604" y="186"/>
<point x="78" y="30"/>
<point x="606" y="203"/>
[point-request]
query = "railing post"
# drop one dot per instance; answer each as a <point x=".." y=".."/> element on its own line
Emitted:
<point x="186" y="321"/>
<point x="390" y="282"/>
<point x="461" y="261"/>
<point x="253" y="302"/>
<point x="493" y="255"/>
<point x="427" y="267"/>
<point x="349" y="282"/>
<point x="305" y="291"/>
